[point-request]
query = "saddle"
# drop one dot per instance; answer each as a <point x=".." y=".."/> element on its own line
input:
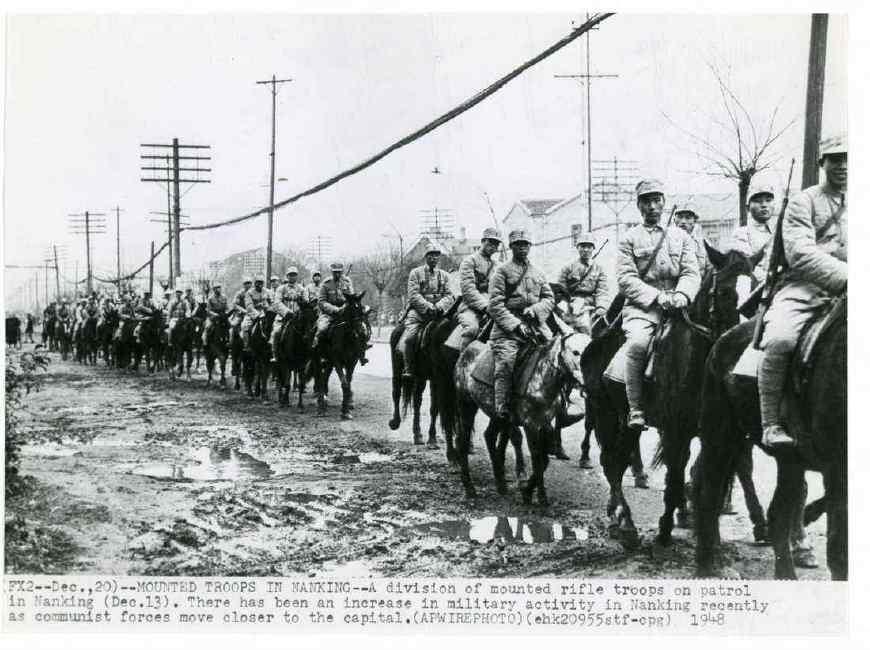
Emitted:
<point x="615" y="370"/>
<point x="527" y="358"/>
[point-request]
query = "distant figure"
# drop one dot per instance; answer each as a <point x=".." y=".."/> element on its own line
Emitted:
<point x="28" y="327"/>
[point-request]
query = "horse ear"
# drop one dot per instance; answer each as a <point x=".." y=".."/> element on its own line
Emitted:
<point x="563" y="327"/>
<point x="360" y="296"/>
<point x="716" y="258"/>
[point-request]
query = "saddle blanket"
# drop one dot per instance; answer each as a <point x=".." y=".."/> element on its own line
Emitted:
<point x="527" y="359"/>
<point x="615" y="370"/>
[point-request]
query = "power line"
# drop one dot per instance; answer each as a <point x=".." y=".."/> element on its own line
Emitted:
<point x="87" y="223"/>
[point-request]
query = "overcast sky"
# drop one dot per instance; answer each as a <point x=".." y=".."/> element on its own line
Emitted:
<point x="84" y="92"/>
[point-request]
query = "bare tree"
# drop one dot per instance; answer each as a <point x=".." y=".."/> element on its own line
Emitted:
<point x="740" y="146"/>
<point x="380" y="268"/>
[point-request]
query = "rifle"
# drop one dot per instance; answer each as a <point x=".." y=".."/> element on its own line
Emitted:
<point x="775" y="268"/>
<point x="615" y="309"/>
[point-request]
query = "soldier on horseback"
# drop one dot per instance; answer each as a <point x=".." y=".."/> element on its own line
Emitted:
<point x="144" y="310"/>
<point x="814" y="232"/>
<point x="429" y="296"/>
<point x="666" y="259"/>
<point x="190" y="299"/>
<point x="256" y="301"/>
<point x="285" y="304"/>
<point x="756" y="234"/>
<point x="520" y="302"/>
<point x="331" y="300"/>
<point x="474" y="273"/>
<point x="313" y="288"/>
<point x="176" y="311"/>
<point x="237" y="309"/>
<point x="686" y="217"/>
<point x="586" y="283"/>
<point x="215" y="307"/>
<point x="79" y="317"/>
<point x="125" y="313"/>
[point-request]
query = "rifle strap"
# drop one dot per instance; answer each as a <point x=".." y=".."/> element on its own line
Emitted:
<point x="834" y="218"/>
<point x="655" y="254"/>
<point x="511" y="288"/>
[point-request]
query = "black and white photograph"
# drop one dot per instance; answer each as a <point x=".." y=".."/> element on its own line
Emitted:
<point x="426" y="296"/>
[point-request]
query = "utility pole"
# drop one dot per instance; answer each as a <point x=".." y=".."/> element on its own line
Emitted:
<point x="151" y="271"/>
<point x="437" y="224"/>
<point x="588" y="77"/>
<point x="118" y="245"/>
<point x="174" y="180"/>
<point x="88" y="223"/>
<point x="815" y="99"/>
<point x="56" y="274"/>
<point x="271" y="220"/>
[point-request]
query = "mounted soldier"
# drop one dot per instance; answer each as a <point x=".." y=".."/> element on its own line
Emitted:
<point x="177" y="311"/>
<point x="313" y="288"/>
<point x="586" y="283"/>
<point x="686" y="217"/>
<point x="190" y="299"/>
<point x="63" y="312"/>
<point x="520" y="302"/>
<point x="215" y="307"/>
<point x="125" y="313"/>
<point x="256" y="301"/>
<point x="331" y="299"/>
<point x="237" y="308"/>
<point x="287" y="299"/>
<point x="656" y="271"/>
<point x="814" y="239"/>
<point x="474" y="274"/>
<point x="144" y="310"/>
<point x="756" y="234"/>
<point x="79" y="317"/>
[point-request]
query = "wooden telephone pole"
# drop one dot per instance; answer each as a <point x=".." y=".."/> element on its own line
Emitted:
<point x="87" y="224"/>
<point x="815" y="99"/>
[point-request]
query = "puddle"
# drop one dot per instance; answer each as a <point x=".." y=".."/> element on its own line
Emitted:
<point x="49" y="450"/>
<point x="209" y="464"/>
<point x="512" y="530"/>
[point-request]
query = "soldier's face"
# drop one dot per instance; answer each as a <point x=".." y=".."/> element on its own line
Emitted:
<point x="761" y="207"/>
<point x="316" y="280"/>
<point x="336" y="275"/>
<point x="489" y="246"/>
<point x="586" y="251"/>
<point x="217" y="291"/>
<point x="651" y="206"/>
<point x="686" y="221"/>
<point x="521" y="250"/>
<point x="291" y="279"/>
<point x="432" y="260"/>
<point x="835" y="169"/>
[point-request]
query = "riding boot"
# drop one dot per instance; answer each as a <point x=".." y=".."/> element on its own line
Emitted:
<point x="558" y="449"/>
<point x="635" y="360"/>
<point x="273" y="346"/>
<point x="408" y="355"/>
<point x="771" y="383"/>
<point x="246" y="341"/>
<point x="315" y="341"/>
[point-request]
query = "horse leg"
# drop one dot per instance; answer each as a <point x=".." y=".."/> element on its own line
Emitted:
<point x="396" y="420"/>
<point x="490" y="436"/>
<point x="836" y="491"/>
<point x="641" y="480"/>
<point x="538" y="448"/>
<point x="676" y="455"/>
<point x="616" y="446"/>
<point x="585" y="463"/>
<point x="789" y="480"/>
<point x="711" y="474"/>
<point x="432" y="442"/>
<point x="516" y="437"/>
<point x="756" y="512"/>
<point x="467" y="409"/>
<point x="802" y="551"/>
<point x="419" y="387"/>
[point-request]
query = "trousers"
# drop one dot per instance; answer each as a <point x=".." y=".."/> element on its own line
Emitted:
<point x="638" y="333"/>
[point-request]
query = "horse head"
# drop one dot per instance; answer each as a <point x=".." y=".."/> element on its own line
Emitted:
<point x="571" y="347"/>
<point x="723" y="288"/>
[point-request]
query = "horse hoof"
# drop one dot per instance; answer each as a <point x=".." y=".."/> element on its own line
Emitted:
<point x="543" y="501"/>
<point x="663" y="539"/>
<point x="728" y="509"/>
<point x="501" y="487"/>
<point x="759" y="532"/>
<point x="641" y="482"/>
<point x="346" y="416"/>
<point x="418" y="440"/>
<point x="585" y="463"/>
<point x="527" y="497"/>
<point x="453" y="467"/>
<point x="394" y="424"/>
<point x="613" y="530"/>
<point x="432" y="444"/>
<point x="684" y="519"/>
<point x="522" y="475"/>
<point x="300" y="409"/>
<point x="805" y="558"/>
<point x="629" y="538"/>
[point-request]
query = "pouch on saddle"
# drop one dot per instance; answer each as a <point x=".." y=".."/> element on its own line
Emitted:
<point x="802" y="361"/>
<point x="615" y="370"/>
<point x="527" y="358"/>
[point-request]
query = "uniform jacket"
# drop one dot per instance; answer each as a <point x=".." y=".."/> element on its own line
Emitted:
<point x="144" y="308"/>
<point x="697" y="236"/>
<point x="533" y="291"/>
<point x="191" y="304"/>
<point x="239" y="300"/>
<point x="216" y="304"/>
<point x="91" y="310"/>
<point x="178" y="308"/>
<point x="255" y="301"/>
<point x="474" y="274"/>
<point x="63" y="312"/>
<point x="750" y="239"/>
<point x="291" y="294"/>
<point x="125" y="311"/>
<point x="593" y="286"/>
<point x="428" y="289"/>
<point x="674" y="269"/>
<point x="816" y="264"/>
<point x="332" y="295"/>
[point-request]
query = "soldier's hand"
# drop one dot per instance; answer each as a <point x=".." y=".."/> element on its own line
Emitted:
<point x="529" y="312"/>
<point x="524" y="331"/>
<point x="664" y="300"/>
<point x="679" y="300"/>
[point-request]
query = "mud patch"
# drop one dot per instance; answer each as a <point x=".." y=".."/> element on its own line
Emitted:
<point x="209" y="464"/>
<point x="511" y="530"/>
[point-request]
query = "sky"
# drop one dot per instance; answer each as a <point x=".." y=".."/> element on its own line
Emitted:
<point x="83" y="92"/>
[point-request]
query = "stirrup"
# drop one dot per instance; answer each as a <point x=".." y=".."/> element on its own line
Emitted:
<point x="776" y="437"/>
<point x="636" y="419"/>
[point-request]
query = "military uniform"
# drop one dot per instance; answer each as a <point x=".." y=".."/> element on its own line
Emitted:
<point x="675" y="269"/>
<point x="428" y="293"/>
<point x="474" y="274"/>
<point x="330" y="300"/>
<point x="506" y="309"/>
<point x="144" y="310"/>
<point x="587" y="285"/>
<point x="288" y="296"/>
<point x="817" y="270"/>
<point x="256" y="302"/>
<point x="125" y="313"/>
<point x="178" y="310"/>
<point x="754" y="236"/>
<point x="215" y="307"/>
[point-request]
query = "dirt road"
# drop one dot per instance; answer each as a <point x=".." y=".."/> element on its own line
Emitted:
<point x="156" y="477"/>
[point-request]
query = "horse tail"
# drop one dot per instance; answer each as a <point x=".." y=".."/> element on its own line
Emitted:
<point x="408" y="385"/>
<point x="658" y="458"/>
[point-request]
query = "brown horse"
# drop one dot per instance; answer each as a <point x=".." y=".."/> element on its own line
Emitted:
<point x="816" y="414"/>
<point x="557" y="363"/>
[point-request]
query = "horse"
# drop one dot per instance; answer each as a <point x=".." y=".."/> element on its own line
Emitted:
<point x="255" y="361"/>
<point x="150" y="342"/>
<point x="671" y="401"/>
<point x="217" y="347"/>
<point x="124" y="342"/>
<point x="294" y="346"/>
<point x="816" y="415"/>
<point x="340" y="349"/>
<point x="198" y="321"/>
<point x="105" y="330"/>
<point x="237" y="357"/>
<point x="86" y="343"/>
<point x="548" y="368"/>
<point x="13" y="331"/>
<point x="180" y="347"/>
<point x="63" y="338"/>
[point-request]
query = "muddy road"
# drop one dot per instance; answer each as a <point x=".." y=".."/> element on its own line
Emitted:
<point x="157" y="477"/>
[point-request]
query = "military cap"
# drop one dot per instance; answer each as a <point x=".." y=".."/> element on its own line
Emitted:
<point x="432" y="249"/>
<point x="274" y="278"/>
<point x="217" y="285"/>
<point x="247" y="280"/>
<point x="177" y="290"/>
<point x="336" y="266"/>
<point x="518" y="236"/>
<point x="292" y="269"/>
<point x="649" y="186"/>
<point x="755" y="190"/>
<point x="315" y="273"/>
<point x="146" y="293"/>
<point x="165" y="293"/>
<point x="259" y="279"/>
<point x="585" y="238"/>
<point x="687" y="208"/>
<point x="832" y="145"/>
<point x="491" y="233"/>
